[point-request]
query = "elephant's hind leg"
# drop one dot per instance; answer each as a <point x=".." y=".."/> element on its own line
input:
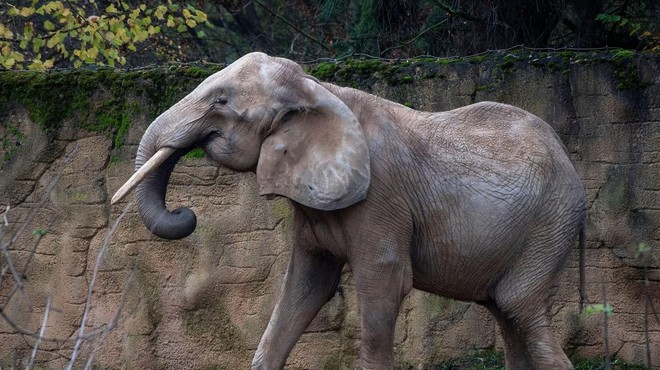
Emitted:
<point x="515" y="350"/>
<point x="524" y="294"/>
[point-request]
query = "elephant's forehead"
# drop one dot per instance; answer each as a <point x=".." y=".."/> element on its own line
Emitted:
<point x="253" y="69"/>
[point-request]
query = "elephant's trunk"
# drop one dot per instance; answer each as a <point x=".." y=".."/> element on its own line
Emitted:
<point x="150" y="192"/>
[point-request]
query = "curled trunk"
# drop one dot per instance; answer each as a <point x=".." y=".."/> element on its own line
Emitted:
<point x="150" y="194"/>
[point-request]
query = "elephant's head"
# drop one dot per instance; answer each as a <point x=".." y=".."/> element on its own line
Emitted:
<point x="259" y="112"/>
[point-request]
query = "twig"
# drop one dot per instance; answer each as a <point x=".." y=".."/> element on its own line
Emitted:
<point x="308" y="36"/>
<point x="4" y="247"/>
<point x="88" y="302"/>
<point x="51" y="186"/>
<point x="19" y="280"/>
<point x="41" y="335"/>
<point x="111" y="325"/>
<point x="406" y="43"/>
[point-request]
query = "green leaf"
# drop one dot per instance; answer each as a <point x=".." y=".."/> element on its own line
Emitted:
<point x="93" y="52"/>
<point x="48" y="25"/>
<point x="599" y="308"/>
<point x="160" y="12"/>
<point x="200" y="16"/>
<point x="111" y="9"/>
<point x="39" y="232"/>
<point x="37" y="43"/>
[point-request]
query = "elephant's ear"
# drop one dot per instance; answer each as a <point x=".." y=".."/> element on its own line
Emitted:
<point x="317" y="154"/>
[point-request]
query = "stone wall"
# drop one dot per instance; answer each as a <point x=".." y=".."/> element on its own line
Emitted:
<point x="204" y="301"/>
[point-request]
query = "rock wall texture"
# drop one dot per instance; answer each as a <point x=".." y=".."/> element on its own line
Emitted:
<point x="69" y="140"/>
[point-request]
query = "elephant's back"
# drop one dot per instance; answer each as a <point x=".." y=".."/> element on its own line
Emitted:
<point x="496" y="171"/>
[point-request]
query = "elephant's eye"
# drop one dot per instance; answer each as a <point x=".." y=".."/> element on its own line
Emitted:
<point x="289" y="114"/>
<point x="221" y="101"/>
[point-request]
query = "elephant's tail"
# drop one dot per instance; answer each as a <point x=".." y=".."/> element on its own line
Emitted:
<point x="582" y="241"/>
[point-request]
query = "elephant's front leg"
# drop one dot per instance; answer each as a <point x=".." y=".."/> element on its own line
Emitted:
<point x="382" y="281"/>
<point x="310" y="281"/>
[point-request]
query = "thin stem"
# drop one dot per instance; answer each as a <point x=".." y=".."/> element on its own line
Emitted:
<point x="41" y="335"/>
<point x="310" y="37"/>
<point x="88" y="302"/>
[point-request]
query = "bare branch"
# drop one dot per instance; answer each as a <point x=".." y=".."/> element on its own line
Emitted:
<point x="51" y="186"/>
<point x="4" y="247"/>
<point x="88" y="302"/>
<point x="113" y="323"/>
<point x="41" y="335"/>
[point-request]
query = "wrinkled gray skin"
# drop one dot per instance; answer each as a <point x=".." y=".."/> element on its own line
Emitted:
<point x="480" y="203"/>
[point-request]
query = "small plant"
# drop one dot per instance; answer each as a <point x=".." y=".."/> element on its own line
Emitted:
<point x="599" y="308"/>
<point x="195" y="153"/>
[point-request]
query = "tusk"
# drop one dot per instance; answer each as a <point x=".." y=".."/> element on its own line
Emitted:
<point x="139" y="175"/>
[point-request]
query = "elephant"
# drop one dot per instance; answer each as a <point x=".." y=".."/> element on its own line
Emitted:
<point x="480" y="203"/>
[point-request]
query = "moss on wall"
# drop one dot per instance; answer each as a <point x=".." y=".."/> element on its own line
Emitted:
<point x="103" y="100"/>
<point x="108" y="100"/>
<point x="364" y="73"/>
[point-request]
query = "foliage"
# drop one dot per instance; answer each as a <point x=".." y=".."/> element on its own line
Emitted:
<point x="634" y="28"/>
<point x="41" y="34"/>
<point x="46" y="34"/>
<point x="307" y="30"/>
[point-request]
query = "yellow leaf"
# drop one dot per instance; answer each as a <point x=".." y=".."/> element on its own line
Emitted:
<point x="13" y="11"/>
<point x="36" y="64"/>
<point x="53" y="6"/>
<point x="66" y="12"/>
<point x="93" y="52"/>
<point x="9" y="62"/>
<point x="6" y="32"/>
<point x="19" y="57"/>
<point x="160" y="12"/>
<point x="143" y="7"/>
<point x="5" y="50"/>
<point x="77" y="64"/>
<point x="186" y="13"/>
<point x="191" y="23"/>
<point x="26" y="12"/>
<point x="201" y="16"/>
<point x="170" y="21"/>
<point x="49" y="63"/>
<point x="111" y="9"/>
<point x="52" y="41"/>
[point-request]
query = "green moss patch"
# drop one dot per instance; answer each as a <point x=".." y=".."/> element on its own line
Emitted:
<point x="103" y="100"/>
